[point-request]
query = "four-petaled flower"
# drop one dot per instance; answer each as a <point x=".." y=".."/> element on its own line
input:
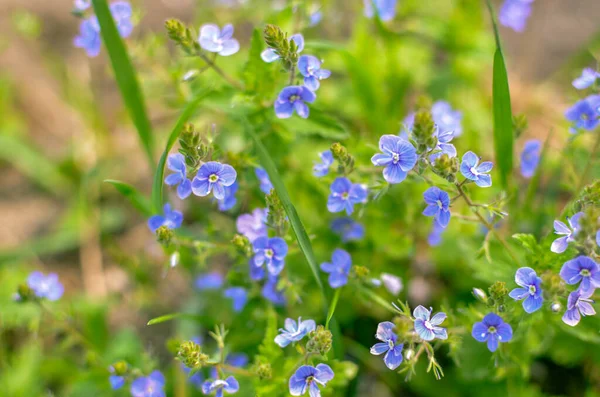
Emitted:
<point x="531" y="289"/>
<point x="427" y="327"/>
<point x="581" y="269"/>
<point x="270" y="55"/>
<point x="385" y="9"/>
<point x="348" y="228"/>
<point x="344" y="194"/>
<point x="585" y="114"/>
<point x="587" y="79"/>
<point x="310" y="378"/>
<point x="176" y="162"/>
<point x="578" y="304"/>
<point x="171" y="219"/>
<point x="238" y="295"/>
<point x="149" y="386"/>
<point x="568" y="232"/>
<point x="443" y="146"/>
<point x="310" y="67"/>
<point x="213" y="39"/>
<point x="229" y="200"/>
<point x="271" y="251"/>
<point x="446" y="118"/>
<point x="322" y="168"/>
<point x="388" y="345"/>
<point x="253" y="225"/>
<point x="399" y="156"/>
<point x="213" y="176"/>
<point x="89" y="30"/>
<point x="493" y="330"/>
<point x="472" y="170"/>
<point x="229" y="385"/>
<point x="294" y="331"/>
<point x="530" y="157"/>
<point x="294" y="98"/>
<point x="514" y="14"/>
<point x="438" y="205"/>
<point x="47" y="287"/>
<point x="263" y="179"/>
<point x="338" y="269"/>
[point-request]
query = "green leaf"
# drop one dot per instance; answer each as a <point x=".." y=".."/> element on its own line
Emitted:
<point x="319" y="123"/>
<point x="157" y="186"/>
<point x="173" y="316"/>
<point x="259" y="78"/>
<point x="332" y="306"/>
<point x="125" y="75"/>
<point x="138" y="200"/>
<point x="503" y="126"/>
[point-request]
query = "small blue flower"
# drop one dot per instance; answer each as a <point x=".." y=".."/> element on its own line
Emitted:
<point x="116" y="381"/>
<point x="438" y="205"/>
<point x="386" y="9"/>
<point x="294" y="98"/>
<point x="435" y="235"/>
<point x="238" y="295"/>
<point x="310" y="67"/>
<point x="578" y="304"/>
<point x="257" y="273"/>
<point x="322" y="168"/>
<point x="427" y="327"/>
<point x="309" y="378"/>
<point x="531" y="289"/>
<point x="229" y="385"/>
<point x="446" y="118"/>
<point x="229" y="200"/>
<point x="568" y="232"/>
<point x="345" y="194"/>
<point x="82" y="5"/>
<point x="581" y="269"/>
<point x="443" y="145"/>
<point x="263" y="178"/>
<point x="271" y="251"/>
<point x="530" y="157"/>
<point x="392" y="283"/>
<point x="171" y="219"/>
<point x="472" y="170"/>
<point x="209" y="281"/>
<point x="213" y="39"/>
<point x="315" y="18"/>
<point x="388" y="345"/>
<point x="269" y="55"/>
<point x="587" y="79"/>
<point x="149" y="386"/>
<point x="47" y="287"/>
<point x="271" y="293"/>
<point x="294" y="331"/>
<point x="399" y="156"/>
<point x="213" y="176"/>
<point x="237" y="360"/>
<point x="89" y="36"/>
<point x="338" y="269"/>
<point x="176" y="162"/>
<point x="121" y="13"/>
<point x="493" y="330"/>
<point x="253" y="225"/>
<point x="348" y="228"/>
<point x="585" y="114"/>
<point x="514" y="14"/>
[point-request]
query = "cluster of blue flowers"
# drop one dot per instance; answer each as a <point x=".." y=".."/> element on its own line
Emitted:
<point x="585" y="113"/>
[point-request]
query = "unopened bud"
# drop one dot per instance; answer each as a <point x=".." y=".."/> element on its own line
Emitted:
<point x="556" y="307"/>
<point x="164" y="235"/>
<point x="190" y="353"/>
<point x="480" y="294"/>
<point x="320" y="341"/>
<point x="264" y="371"/>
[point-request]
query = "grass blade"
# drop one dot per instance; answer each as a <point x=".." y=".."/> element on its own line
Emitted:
<point x="173" y="316"/>
<point x="332" y="306"/>
<point x="139" y="201"/>
<point x="125" y="75"/>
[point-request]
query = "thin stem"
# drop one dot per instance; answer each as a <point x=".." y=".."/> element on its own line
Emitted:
<point x="292" y="75"/>
<point x="220" y="71"/>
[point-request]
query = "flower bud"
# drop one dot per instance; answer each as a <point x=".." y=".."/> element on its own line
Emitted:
<point x="410" y="353"/>
<point x="243" y="245"/>
<point x="164" y="235"/>
<point x="556" y="307"/>
<point x="479" y="294"/>
<point x="190" y="353"/>
<point x="174" y="260"/>
<point x="264" y="371"/>
<point x="119" y="368"/>
<point x="345" y="159"/>
<point x="320" y="341"/>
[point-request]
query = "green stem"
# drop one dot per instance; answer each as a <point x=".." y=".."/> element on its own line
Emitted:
<point x="220" y="71"/>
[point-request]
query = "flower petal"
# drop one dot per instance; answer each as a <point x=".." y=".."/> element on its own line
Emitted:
<point x="379" y="348"/>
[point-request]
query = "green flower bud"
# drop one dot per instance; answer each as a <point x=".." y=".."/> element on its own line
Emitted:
<point x="498" y="293"/>
<point x="320" y="341"/>
<point x="446" y="167"/>
<point x="120" y="368"/>
<point x="286" y="49"/>
<point x="243" y="245"/>
<point x="164" y="235"/>
<point x="344" y="158"/>
<point x="190" y="353"/>
<point x="264" y="371"/>
<point x="182" y="36"/>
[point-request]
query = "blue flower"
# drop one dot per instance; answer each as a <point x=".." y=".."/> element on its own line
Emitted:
<point x="263" y="178"/>
<point x="514" y="14"/>
<point x="344" y="194"/>
<point x="209" y="281"/>
<point x="227" y="202"/>
<point x="229" y="385"/>
<point x="116" y="381"/>
<point x="585" y="114"/>
<point x="149" y="386"/>
<point x="253" y="225"/>
<point x="322" y="168"/>
<point x="578" y="304"/>
<point x="399" y="156"/>
<point x="386" y="9"/>
<point x="446" y="118"/>
<point x="121" y="13"/>
<point x="598" y="238"/>
<point x="47" y="287"/>
<point x="427" y="327"/>
<point x="348" y="229"/>
<point x="310" y="378"/>
<point x="435" y="235"/>
<point x="315" y="18"/>
<point x="271" y="293"/>
<point x="310" y="67"/>
<point x="443" y="145"/>
<point x="269" y="55"/>
<point x="492" y="330"/>
<point x="531" y="289"/>
<point x="237" y="360"/>
<point x="271" y="251"/>
<point x="530" y="157"/>
<point x="472" y="170"/>
<point x="338" y="269"/>
<point x="587" y="79"/>
<point x="294" y="98"/>
<point x="171" y="219"/>
<point x="438" y="205"/>
<point x="176" y="162"/>
<point x="213" y="176"/>
<point x="392" y="283"/>
<point x="581" y="269"/>
<point x="82" y="5"/>
<point x="389" y="345"/>
<point x="89" y="36"/>
<point x="213" y="39"/>
<point x="294" y="331"/>
<point x="568" y="232"/>
<point x="238" y="295"/>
